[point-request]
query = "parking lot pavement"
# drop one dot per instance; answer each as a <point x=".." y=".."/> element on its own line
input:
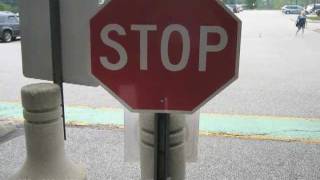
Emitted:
<point x="101" y="150"/>
<point x="313" y="25"/>
<point x="5" y="129"/>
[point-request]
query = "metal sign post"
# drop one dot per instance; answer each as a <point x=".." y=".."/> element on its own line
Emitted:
<point x="161" y="146"/>
<point x="54" y="9"/>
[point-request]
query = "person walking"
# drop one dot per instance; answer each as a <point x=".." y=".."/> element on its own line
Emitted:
<point x="301" y="22"/>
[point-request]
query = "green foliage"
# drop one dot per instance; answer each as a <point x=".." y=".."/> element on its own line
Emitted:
<point x="270" y="4"/>
<point x="277" y="4"/>
<point x="229" y="1"/>
<point x="251" y="4"/>
<point x="314" y="18"/>
<point x="3" y="7"/>
<point x="8" y="7"/>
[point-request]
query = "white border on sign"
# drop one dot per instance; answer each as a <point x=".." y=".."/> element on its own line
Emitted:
<point x="235" y="77"/>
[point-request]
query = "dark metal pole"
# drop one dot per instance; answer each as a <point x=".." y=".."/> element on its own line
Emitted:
<point x="161" y="146"/>
<point x="54" y="8"/>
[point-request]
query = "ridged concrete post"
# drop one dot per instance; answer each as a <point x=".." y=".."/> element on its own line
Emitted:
<point x="46" y="157"/>
<point x="176" y="155"/>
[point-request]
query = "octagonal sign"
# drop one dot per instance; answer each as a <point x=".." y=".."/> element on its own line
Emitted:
<point x="165" y="55"/>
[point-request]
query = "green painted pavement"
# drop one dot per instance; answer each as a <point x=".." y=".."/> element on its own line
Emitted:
<point x="273" y="127"/>
<point x="262" y="126"/>
<point x="81" y="115"/>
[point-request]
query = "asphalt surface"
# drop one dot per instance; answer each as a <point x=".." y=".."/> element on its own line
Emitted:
<point x="219" y="158"/>
<point x="279" y="72"/>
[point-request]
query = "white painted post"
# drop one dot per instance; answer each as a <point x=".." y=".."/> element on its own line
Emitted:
<point x="176" y="143"/>
<point x="46" y="157"/>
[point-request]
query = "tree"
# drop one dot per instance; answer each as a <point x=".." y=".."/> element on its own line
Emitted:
<point x="251" y="3"/>
<point x="4" y="7"/>
<point x="8" y="7"/>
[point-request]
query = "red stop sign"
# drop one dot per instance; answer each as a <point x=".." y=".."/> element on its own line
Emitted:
<point x="165" y="55"/>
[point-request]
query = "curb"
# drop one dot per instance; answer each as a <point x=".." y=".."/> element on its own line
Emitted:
<point x="228" y="125"/>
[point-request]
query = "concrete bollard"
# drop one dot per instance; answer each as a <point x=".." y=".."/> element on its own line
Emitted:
<point x="176" y="154"/>
<point x="46" y="157"/>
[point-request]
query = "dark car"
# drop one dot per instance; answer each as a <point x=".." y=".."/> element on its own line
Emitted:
<point x="292" y="9"/>
<point x="9" y="26"/>
<point x="312" y="8"/>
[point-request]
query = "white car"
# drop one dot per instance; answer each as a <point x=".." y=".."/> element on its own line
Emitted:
<point x="292" y="9"/>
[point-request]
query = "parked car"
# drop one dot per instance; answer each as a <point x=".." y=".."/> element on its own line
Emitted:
<point x="317" y="12"/>
<point x="312" y="8"/>
<point x="292" y="9"/>
<point x="236" y="8"/>
<point x="9" y="26"/>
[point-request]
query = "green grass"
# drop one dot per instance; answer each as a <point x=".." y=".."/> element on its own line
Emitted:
<point x="314" y="18"/>
<point x="8" y="7"/>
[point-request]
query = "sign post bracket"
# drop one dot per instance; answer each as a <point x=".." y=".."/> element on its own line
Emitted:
<point x="55" y="29"/>
<point x="161" y="146"/>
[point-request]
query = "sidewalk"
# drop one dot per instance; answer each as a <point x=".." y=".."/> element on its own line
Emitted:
<point x="101" y="150"/>
<point x="245" y="126"/>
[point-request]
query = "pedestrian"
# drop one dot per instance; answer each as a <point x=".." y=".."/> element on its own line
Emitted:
<point x="301" y="22"/>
